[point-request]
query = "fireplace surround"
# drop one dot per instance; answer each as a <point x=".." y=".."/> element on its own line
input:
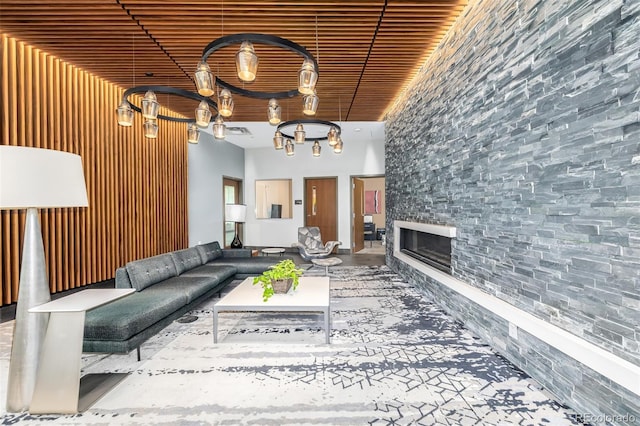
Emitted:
<point x="427" y="243"/>
<point x="427" y="247"/>
<point x="520" y="324"/>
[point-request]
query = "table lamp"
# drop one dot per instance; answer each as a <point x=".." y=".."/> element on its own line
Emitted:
<point x="32" y="179"/>
<point x="235" y="213"/>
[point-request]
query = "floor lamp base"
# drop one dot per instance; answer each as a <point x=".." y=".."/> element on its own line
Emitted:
<point x="29" y="329"/>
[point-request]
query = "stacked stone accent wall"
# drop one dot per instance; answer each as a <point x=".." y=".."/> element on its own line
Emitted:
<point x="523" y="131"/>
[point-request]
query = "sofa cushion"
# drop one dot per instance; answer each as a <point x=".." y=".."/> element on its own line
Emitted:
<point x="219" y="272"/>
<point x="209" y="251"/>
<point x="251" y="265"/>
<point x="186" y="259"/>
<point x="122" y="278"/>
<point x="238" y="252"/>
<point x="146" y="272"/>
<point x="193" y="287"/>
<point x="126" y="317"/>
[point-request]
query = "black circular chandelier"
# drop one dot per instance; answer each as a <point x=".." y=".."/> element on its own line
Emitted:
<point x="246" y="66"/>
<point x="284" y="139"/>
<point x="150" y="110"/>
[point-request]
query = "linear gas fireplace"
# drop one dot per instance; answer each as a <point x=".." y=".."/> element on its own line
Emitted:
<point x="426" y="243"/>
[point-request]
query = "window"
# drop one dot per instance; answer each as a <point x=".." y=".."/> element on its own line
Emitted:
<point x="273" y="199"/>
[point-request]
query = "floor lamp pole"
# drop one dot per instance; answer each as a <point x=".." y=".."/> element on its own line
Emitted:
<point x="29" y="329"/>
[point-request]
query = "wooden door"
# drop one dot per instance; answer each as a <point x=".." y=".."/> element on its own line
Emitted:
<point x="358" y="215"/>
<point x="321" y="206"/>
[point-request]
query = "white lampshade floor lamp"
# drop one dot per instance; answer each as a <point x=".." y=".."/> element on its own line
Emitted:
<point x="31" y="179"/>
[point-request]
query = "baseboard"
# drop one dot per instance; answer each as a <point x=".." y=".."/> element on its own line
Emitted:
<point x="613" y="367"/>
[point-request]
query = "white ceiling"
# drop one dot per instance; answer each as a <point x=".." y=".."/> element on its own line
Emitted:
<point x="260" y="134"/>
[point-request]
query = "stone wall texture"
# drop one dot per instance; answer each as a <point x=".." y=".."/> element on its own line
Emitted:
<point x="523" y="131"/>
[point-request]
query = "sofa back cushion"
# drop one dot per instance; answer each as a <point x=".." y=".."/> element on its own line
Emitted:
<point x="186" y="259"/>
<point x="146" y="272"/>
<point x="122" y="278"/>
<point x="210" y="251"/>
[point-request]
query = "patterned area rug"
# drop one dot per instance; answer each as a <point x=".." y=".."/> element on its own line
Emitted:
<point x="395" y="358"/>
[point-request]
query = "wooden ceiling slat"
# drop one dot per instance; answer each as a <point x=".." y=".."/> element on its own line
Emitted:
<point x="366" y="51"/>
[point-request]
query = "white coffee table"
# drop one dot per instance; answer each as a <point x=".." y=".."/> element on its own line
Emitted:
<point x="312" y="295"/>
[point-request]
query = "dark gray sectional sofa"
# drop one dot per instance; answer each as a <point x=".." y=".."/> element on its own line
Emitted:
<point x="167" y="286"/>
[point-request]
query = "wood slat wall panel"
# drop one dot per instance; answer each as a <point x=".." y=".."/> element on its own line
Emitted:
<point x="137" y="187"/>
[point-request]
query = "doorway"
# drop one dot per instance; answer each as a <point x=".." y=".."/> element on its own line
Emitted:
<point x="231" y="193"/>
<point x="321" y="206"/>
<point x="369" y="216"/>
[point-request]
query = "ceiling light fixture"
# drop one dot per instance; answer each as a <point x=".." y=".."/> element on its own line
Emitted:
<point x="310" y="104"/>
<point x="278" y="140"/>
<point x="289" y="148"/>
<point x="193" y="134"/>
<point x="150" y="108"/>
<point x="299" y="134"/>
<point x="247" y="65"/>
<point x="274" y="112"/>
<point x="225" y="103"/>
<point x="150" y="128"/>
<point x="150" y="105"/>
<point x="314" y="133"/>
<point x="246" y="62"/>
<point x="219" y="128"/>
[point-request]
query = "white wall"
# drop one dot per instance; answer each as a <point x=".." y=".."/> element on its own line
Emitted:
<point x="363" y="155"/>
<point x="210" y="161"/>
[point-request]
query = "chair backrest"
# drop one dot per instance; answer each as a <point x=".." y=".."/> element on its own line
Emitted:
<point x="309" y="237"/>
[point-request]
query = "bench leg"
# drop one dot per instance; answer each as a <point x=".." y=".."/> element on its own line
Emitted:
<point x="138" y="352"/>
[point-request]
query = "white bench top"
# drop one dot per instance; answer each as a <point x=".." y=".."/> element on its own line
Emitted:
<point x="83" y="300"/>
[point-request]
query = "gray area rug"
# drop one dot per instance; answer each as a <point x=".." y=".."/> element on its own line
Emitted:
<point x="395" y="359"/>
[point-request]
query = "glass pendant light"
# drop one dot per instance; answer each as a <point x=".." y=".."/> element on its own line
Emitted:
<point x="307" y="77"/>
<point x="310" y="104"/>
<point x="338" y="146"/>
<point x="299" y="134"/>
<point x="125" y="114"/>
<point x="316" y="149"/>
<point x="289" y="148"/>
<point x="150" y="129"/>
<point x="332" y="136"/>
<point x="219" y="128"/>
<point x="277" y="140"/>
<point x="203" y="115"/>
<point x="274" y="112"/>
<point x="150" y="105"/>
<point x="225" y="103"/>
<point x="246" y="62"/>
<point x="204" y="79"/>
<point x="193" y="134"/>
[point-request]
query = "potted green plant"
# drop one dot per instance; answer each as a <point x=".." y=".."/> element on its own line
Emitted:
<point x="279" y="278"/>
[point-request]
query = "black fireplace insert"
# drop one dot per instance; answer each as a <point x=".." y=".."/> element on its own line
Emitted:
<point x="431" y="249"/>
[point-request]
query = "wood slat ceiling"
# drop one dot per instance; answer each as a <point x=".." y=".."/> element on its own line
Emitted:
<point x="367" y="50"/>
